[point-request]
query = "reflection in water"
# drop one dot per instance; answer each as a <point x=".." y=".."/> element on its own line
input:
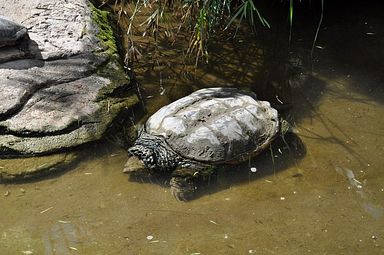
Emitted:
<point x="60" y="239"/>
<point x="376" y="211"/>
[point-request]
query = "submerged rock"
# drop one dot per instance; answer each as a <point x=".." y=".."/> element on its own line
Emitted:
<point x="12" y="170"/>
<point x="67" y="92"/>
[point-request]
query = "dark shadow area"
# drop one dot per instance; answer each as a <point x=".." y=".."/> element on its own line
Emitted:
<point x="283" y="153"/>
<point x="349" y="41"/>
<point x="25" y="54"/>
<point x="353" y="35"/>
<point x="22" y="64"/>
<point x="125" y="127"/>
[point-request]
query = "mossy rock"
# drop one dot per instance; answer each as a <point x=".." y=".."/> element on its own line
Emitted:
<point x="21" y="169"/>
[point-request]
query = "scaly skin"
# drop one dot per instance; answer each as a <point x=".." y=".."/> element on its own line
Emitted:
<point x="183" y="184"/>
<point x="151" y="154"/>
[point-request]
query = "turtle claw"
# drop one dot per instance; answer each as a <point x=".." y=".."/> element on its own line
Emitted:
<point x="182" y="188"/>
<point x="180" y="196"/>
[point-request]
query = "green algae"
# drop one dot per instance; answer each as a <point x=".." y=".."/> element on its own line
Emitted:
<point x="105" y="33"/>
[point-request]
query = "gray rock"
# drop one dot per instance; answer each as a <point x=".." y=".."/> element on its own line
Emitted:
<point x="62" y="94"/>
<point x="20" y="79"/>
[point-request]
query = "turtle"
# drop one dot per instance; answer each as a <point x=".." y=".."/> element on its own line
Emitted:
<point x="11" y="33"/>
<point x="192" y="135"/>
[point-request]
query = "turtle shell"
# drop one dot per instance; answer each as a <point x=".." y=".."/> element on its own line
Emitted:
<point x="10" y="32"/>
<point x="216" y="125"/>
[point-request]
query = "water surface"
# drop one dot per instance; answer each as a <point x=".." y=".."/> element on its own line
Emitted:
<point x="327" y="200"/>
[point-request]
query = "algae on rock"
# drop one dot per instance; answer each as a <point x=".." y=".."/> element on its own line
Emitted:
<point x="74" y="85"/>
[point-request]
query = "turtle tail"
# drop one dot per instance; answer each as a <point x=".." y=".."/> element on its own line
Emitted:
<point x="154" y="152"/>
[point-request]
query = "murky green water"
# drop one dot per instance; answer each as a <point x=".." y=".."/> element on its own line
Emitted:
<point x="330" y="200"/>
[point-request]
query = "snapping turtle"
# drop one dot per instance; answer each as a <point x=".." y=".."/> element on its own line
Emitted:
<point x="11" y="33"/>
<point x="209" y="127"/>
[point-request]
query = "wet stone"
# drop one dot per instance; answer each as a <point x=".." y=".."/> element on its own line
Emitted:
<point x="60" y="74"/>
<point x="12" y="170"/>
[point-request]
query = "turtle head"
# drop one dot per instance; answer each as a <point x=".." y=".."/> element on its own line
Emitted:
<point x="134" y="165"/>
<point x="140" y="161"/>
<point x="150" y="155"/>
<point x="136" y="168"/>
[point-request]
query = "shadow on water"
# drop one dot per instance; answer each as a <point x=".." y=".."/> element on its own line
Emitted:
<point x="348" y="47"/>
<point x="284" y="153"/>
<point x="305" y="106"/>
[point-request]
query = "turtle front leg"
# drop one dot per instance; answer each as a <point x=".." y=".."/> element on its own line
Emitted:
<point x="183" y="183"/>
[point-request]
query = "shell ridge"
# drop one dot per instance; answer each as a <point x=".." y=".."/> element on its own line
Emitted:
<point x="214" y="126"/>
<point x="174" y="111"/>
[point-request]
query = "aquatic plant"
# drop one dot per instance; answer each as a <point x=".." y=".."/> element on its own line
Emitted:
<point x="200" y="18"/>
